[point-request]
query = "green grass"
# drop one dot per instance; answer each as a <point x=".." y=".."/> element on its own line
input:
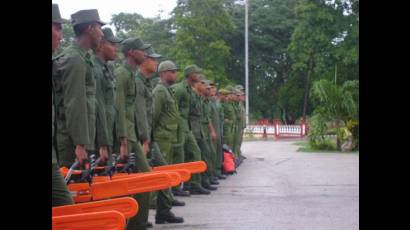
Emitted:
<point x="305" y="147"/>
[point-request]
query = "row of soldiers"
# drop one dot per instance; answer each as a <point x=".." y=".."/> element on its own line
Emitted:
<point x="97" y="110"/>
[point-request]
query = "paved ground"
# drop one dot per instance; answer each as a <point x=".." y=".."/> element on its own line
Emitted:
<point x="279" y="188"/>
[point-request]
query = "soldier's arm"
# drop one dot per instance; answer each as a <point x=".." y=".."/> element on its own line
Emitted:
<point x="141" y="114"/>
<point x="75" y="100"/>
<point x="101" y="118"/>
<point x="120" y="99"/>
<point x="158" y="104"/>
<point x="179" y="94"/>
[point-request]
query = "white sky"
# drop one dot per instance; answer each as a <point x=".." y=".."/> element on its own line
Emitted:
<point x="147" y="8"/>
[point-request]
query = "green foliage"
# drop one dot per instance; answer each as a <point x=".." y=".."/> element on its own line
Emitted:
<point x="336" y="109"/>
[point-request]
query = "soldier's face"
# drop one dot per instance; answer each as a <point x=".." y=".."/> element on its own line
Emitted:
<point x="138" y="56"/>
<point x="109" y="50"/>
<point x="96" y="35"/>
<point x="170" y="76"/>
<point x="150" y="64"/>
<point x="213" y="90"/>
<point x="56" y="35"/>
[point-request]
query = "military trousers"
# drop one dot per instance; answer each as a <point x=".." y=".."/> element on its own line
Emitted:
<point x="187" y="150"/>
<point x="59" y="192"/>
<point x="205" y="149"/>
<point x="163" y="198"/>
<point x="139" y="221"/>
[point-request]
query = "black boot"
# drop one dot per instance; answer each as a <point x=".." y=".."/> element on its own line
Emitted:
<point x="178" y="203"/>
<point x="180" y="192"/>
<point x="199" y="191"/>
<point x="209" y="187"/>
<point x="214" y="181"/>
<point x="168" y="218"/>
<point x="222" y="177"/>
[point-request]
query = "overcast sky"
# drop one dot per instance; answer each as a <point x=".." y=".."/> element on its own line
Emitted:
<point x="147" y="8"/>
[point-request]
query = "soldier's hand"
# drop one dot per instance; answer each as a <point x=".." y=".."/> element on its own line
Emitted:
<point x="80" y="153"/>
<point x="124" y="149"/>
<point x="214" y="136"/>
<point x="103" y="153"/>
<point x="145" y="147"/>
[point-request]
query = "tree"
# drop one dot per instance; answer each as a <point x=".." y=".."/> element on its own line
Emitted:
<point x="336" y="106"/>
<point x="200" y="26"/>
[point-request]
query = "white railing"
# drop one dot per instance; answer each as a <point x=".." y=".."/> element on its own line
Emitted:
<point x="277" y="130"/>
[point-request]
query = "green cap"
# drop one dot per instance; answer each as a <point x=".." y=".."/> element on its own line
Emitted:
<point x="166" y="66"/>
<point x="86" y="16"/>
<point x="55" y="11"/>
<point x="224" y="92"/>
<point x="231" y="89"/>
<point x="109" y="36"/>
<point x="192" y="69"/>
<point x="133" y="44"/>
<point x="151" y="53"/>
<point x="240" y="87"/>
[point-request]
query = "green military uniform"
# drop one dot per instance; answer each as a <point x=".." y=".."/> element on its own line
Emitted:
<point x="125" y="102"/>
<point x="187" y="149"/>
<point x="144" y="111"/>
<point x="75" y="90"/>
<point x="198" y="120"/>
<point x="105" y="94"/>
<point x="236" y="131"/>
<point x="59" y="192"/>
<point x="228" y="128"/>
<point x="216" y="122"/>
<point x="207" y="119"/>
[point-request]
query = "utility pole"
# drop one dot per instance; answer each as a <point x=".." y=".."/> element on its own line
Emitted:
<point x="246" y="65"/>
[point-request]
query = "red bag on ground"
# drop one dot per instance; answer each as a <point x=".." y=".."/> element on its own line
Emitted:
<point x="229" y="163"/>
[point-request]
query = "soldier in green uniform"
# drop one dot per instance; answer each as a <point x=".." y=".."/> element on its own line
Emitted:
<point x="187" y="149"/>
<point x="125" y="102"/>
<point x="242" y="118"/>
<point x="105" y="94"/>
<point x="75" y="90"/>
<point x="237" y="121"/>
<point x="216" y="122"/>
<point x="229" y="118"/>
<point x="144" y="119"/>
<point x="201" y="127"/>
<point x="59" y="192"/>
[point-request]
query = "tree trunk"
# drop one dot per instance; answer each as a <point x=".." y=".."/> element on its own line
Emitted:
<point x="309" y="73"/>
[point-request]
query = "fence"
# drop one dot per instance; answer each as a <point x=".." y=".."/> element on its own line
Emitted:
<point x="277" y="130"/>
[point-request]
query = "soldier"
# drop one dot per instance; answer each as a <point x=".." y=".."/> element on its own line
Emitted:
<point x="105" y="93"/>
<point x="237" y="122"/>
<point x="125" y="102"/>
<point x="144" y="111"/>
<point x="242" y="118"/>
<point x="75" y="90"/>
<point x="187" y="149"/>
<point x="229" y="118"/>
<point x="201" y="127"/>
<point x="59" y="194"/>
<point x="216" y="122"/>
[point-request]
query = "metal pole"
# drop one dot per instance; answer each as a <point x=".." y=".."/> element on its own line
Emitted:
<point x="246" y="65"/>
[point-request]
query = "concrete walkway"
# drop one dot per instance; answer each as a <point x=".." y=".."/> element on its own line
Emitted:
<point x="279" y="188"/>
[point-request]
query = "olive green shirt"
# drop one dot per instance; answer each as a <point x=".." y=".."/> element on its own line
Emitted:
<point x="125" y="101"/>
<point x="165" y="113"/>
<point x="143" y="107"/>
<point x="106" y="111"/>
<point x="75" y="90"/>
<point x="183" y="94"/>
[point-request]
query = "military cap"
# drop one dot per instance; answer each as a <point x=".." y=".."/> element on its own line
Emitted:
<point x="192" y="69"/>
<point x="240" y="87"/>
<point x="109" y="36"/>
<point x="166" y="66"/>
<point x="133" y="44"/>
<point x="86" y="16"/>
<point x="55" y="11"/>
<point x="224" y="92"/>
<point x="230" y="89"/>
<point x="238" y="92"/>
<point x="151" y="53"/>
